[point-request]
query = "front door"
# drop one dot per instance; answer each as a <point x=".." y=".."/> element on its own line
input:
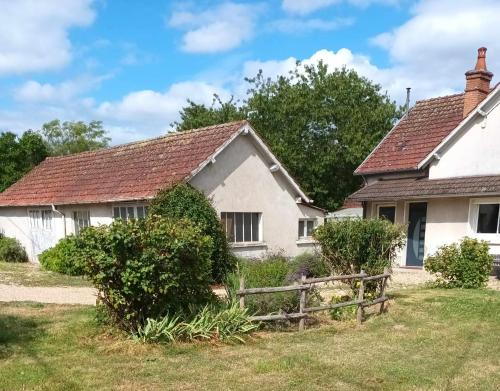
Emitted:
<point x="416" y="234"/>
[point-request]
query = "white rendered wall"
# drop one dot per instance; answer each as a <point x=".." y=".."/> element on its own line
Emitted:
<point x="240" y="181"/>
<point x="475" y="152"/>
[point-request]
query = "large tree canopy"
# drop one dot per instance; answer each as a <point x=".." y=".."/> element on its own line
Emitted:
<point x="72" y="137"/>
<point x="320" y="124"/>
<point x="18" y="155"/>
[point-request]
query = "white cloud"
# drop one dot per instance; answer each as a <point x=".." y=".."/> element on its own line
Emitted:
<point x="32" y="91"/>
<point x="438" y="44"/>
<point x="304" y="7"/>
<point x="34" y="34"/>
<point x="295" y="25"/>
<point x="151" y="112"/>
<point x="217" y="29"/>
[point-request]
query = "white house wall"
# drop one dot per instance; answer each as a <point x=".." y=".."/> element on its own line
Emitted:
<point x="240" y="181"/>
<point x="474" y="152"/>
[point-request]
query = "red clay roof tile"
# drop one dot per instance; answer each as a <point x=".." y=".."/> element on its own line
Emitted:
<point x="126" y="172"/>
<point x="416" y="135"/>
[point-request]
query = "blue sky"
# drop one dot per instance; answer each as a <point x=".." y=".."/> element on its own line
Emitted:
<point x="133" y="64"/>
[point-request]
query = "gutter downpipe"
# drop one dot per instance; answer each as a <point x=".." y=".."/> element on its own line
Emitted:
<point x="54" y="209"/>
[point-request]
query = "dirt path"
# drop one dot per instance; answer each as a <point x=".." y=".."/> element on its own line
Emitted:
<point x="57" y="295"/>
<point x="402" y="278"/>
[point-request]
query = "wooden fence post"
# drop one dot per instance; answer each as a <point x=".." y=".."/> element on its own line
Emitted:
<point x="303" y="302"/>
<point x="361" y="297"/>
<point x="242" y="295"/>
<point x="382" y="291"/>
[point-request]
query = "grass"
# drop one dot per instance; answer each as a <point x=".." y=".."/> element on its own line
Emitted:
<point x="29" y="274"/>
<point x="430" y="339"/>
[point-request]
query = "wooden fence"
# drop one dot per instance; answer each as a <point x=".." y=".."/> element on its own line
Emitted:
<point x="305" y="284"/>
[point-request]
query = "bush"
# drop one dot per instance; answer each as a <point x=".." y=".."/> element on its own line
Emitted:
<point x="274" y="270"/>
<point x="228" y="323"/>
<point x="465" y="265"/>
<point x="63" y="258"/>
<point x="11" y="250"/>
<point x="147" y="268"/>
<point x="350" y="245"/>
<point x="185" y="202"/>
<point x="308" y="263"/>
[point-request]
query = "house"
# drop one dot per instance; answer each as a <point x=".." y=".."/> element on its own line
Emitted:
<point x="261" y="207"/>
<point x="438" y="169"/>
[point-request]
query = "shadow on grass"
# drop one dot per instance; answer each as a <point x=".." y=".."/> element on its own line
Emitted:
<point x="18" y="333"/>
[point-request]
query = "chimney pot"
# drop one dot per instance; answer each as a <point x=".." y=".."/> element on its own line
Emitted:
<point x="477" y="85"/>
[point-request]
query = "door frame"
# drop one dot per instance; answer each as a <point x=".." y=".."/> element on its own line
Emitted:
<point x="406" y="219"/>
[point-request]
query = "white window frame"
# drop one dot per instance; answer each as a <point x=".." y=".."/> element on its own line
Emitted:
<point x="134" y="208"/>
<point x="304" y="235"/>
<point x="385" y="205"/>
<point x="76" y="219"/>
<point x="473" y="220"/>
<point x="41" y="218"/>
<point x="244" y="243"/>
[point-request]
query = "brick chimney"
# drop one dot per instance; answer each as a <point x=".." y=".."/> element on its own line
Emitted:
<point x="477" y="84"/>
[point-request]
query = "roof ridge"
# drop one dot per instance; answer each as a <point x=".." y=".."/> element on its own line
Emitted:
<point x="440" y="97"/>
<point x="149" y="140"/>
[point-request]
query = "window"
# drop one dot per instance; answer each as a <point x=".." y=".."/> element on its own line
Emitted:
<point x="387" y="212"/>
<point x="487" y="219"/>
<point x="241" y="226"/>
<point x="130" y="212"/>
<point x="306" y="228"/>
<point x="81" y="219"/>
<point x="41" y="219"/>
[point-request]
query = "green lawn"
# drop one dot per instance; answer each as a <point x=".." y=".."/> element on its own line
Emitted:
<point x="29" y="274"/>
<point x="429" y="339"/>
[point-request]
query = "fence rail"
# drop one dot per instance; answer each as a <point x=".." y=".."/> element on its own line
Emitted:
<point x="305" y="284"/>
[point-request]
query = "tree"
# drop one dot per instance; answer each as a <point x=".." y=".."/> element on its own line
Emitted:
<point x="321" y="124"/>
<point x="18" y="155"/>
<point x="198" y="115"/>
<point x="72" y="137"/>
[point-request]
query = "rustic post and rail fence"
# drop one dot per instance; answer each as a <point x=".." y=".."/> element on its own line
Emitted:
<point x="303" y="285"/>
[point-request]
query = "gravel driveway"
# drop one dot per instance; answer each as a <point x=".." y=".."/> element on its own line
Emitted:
<point x="57" y="295"/>
<point x="401" y="278"/>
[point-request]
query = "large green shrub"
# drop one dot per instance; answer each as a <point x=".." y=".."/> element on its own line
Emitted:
<point x="63" y="258"/>
<point x="350" y="245"/>
<point x="11" y="250"/>
<point x="148" y="268"/>
<point x="466" y="264"/>
<point x="185" y="202"/>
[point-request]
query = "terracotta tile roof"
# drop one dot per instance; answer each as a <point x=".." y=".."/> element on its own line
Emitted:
<point x="416" y="135"/>
<point x="397" y="189"/>
<point x="127" y="172"/>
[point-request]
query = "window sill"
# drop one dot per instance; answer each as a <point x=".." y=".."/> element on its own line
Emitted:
<point x="306" y="241"/>
<point x="248" y="244"/>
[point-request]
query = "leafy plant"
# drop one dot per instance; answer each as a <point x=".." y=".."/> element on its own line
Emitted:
<point x="342" y="313"/>
<point x="351" y="245"/>
<point x="185" y="202"/>
<point x="465" y="265"/>
<point x="227" y="323"/>
<point x="11" y="250"/>
<point x="147" y="268"/>
<point x="63" y="258"/>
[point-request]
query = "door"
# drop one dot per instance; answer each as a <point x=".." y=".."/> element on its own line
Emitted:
<point x="417" y="217"/>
